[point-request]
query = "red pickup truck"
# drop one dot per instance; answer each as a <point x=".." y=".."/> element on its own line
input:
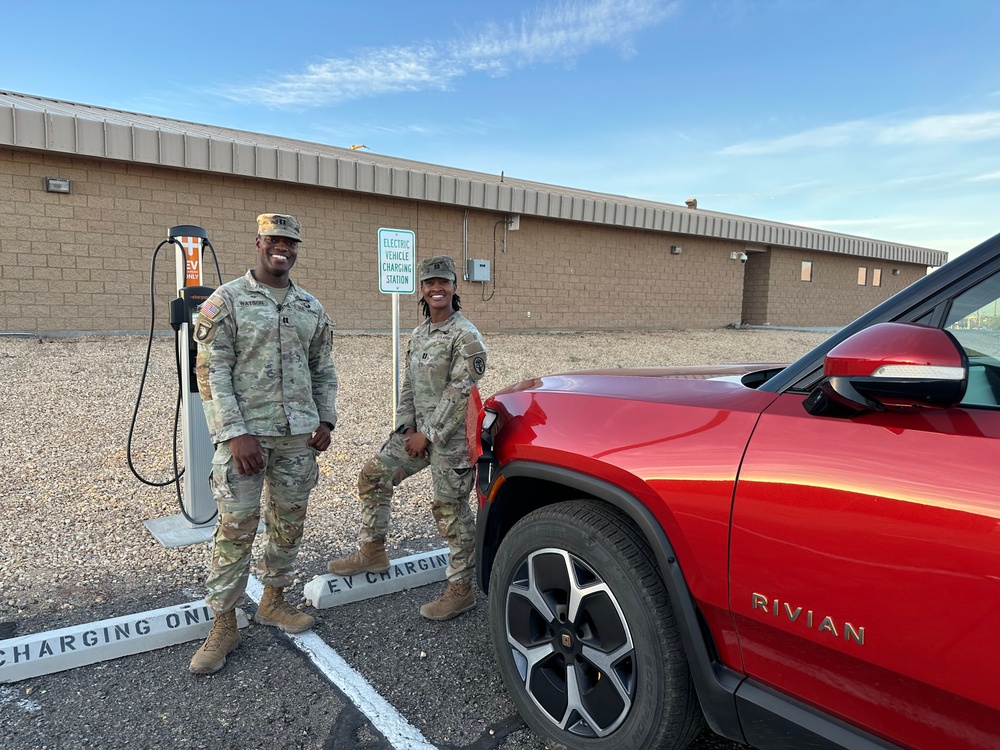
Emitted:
<point x="802" y="556"/>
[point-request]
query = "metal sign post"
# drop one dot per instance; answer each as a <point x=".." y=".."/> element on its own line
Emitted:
<point x="397" y="261"/>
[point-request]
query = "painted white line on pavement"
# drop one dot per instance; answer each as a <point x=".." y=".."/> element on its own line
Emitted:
<point x="383" y="716"/>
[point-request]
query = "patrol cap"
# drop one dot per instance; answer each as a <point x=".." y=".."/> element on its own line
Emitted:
<point x="437" y="267"/>
<point x="281" y="225"/>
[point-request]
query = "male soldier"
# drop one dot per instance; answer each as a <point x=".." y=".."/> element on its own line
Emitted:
<point x="444" y="360"/>
<point x="268" y="384"/>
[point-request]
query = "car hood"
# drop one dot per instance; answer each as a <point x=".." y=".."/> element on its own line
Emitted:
<point x="698" y="372"/>
<point x="612" y="381"/>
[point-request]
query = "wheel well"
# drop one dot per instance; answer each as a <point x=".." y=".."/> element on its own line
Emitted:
<point x="531" y="494"/>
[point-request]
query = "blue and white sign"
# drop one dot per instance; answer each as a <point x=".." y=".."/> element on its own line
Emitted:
<point x="397" y="261"/>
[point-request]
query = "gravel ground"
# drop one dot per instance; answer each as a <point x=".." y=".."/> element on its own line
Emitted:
<point x="72" y="521"/>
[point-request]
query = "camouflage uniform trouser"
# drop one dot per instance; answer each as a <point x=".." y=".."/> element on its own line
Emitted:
<point x="290" y="472"/>
<point x="450" y="505"/>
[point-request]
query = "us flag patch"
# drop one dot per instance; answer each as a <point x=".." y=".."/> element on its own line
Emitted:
<point x="208" y="309"/>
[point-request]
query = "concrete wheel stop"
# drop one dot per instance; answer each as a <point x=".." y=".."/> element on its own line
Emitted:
<point x="404" y="573"/>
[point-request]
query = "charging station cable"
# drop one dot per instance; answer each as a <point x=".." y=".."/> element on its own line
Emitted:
<point x="178" y="472"/>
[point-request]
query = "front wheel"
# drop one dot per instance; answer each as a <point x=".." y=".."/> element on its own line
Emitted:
<point x="585" y="636"/>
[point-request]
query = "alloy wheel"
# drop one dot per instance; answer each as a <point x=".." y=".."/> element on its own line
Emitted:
<point x="571" y="643"/>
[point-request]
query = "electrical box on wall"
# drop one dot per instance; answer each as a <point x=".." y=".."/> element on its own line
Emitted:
<point x="477" y="270"/>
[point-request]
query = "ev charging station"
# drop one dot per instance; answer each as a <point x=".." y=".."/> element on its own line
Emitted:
<point x="195" y="522"/>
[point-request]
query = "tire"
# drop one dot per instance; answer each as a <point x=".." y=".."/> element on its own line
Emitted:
<point x="584" y="634"/>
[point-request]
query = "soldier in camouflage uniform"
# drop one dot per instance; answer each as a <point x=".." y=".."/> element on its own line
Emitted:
<point x="267" y="382"/>
<point x="445" y="359"/>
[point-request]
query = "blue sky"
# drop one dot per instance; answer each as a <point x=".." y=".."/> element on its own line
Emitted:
<point x="877" y="118"/>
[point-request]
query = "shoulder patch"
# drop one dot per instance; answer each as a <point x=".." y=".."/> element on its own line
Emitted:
<point x="477" y="366"/>
<point x="213" y="307"/>
<point x="204" y="331"/>
<point x="474" y="352"/>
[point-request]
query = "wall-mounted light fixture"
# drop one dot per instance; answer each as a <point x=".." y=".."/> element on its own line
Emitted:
<point x="895" y="272"/>
<point x="675" y="249"/>
<point x="56" y="185"/>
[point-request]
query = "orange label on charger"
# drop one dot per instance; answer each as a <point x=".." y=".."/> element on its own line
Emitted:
<point x="192" y="260"/>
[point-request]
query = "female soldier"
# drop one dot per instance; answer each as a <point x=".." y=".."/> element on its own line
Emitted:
<point x="444" y="360"/>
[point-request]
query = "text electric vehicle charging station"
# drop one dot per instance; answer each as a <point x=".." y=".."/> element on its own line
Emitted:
<point x="195" y="521"/>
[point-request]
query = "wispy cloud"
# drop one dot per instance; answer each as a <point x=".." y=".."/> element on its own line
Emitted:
<point x="372" y="73"/>
<point x="988" y="177"/>
<point x="554" y="33"/>
<point x="966" y="128"/>
<point x="561" y="32"/>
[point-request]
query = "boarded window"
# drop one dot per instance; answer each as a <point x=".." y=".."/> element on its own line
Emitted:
<point x="862" y="276"/>
<point x="876" y="277"/>
<point x="807" y="271"/>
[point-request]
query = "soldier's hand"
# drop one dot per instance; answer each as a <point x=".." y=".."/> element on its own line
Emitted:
<point x="247" y="454"/>
<point x="321" y="438"/>
<point x="416" y="443"/>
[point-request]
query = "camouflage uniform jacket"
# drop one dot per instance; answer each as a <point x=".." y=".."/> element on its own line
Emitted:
<point x="264" y="369"/>
<point x="443" y="362"/>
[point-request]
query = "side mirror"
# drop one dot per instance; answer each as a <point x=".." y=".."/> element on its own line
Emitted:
<point x="891" y="366"/>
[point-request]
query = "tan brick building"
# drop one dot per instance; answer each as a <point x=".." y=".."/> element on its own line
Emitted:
<point x="560" y="259"/>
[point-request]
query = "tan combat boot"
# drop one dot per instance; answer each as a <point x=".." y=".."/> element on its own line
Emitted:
<point x="274" y="610"/>
<point x="455" y="600"/>
<point x="222" y="640"/>
<point x="370" y="558"/>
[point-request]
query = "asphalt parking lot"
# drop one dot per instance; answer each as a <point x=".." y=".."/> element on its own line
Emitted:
<point x="439" y="677"/>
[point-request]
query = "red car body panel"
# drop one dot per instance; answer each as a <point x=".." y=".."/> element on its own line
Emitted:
<point x="871" y="562"/>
